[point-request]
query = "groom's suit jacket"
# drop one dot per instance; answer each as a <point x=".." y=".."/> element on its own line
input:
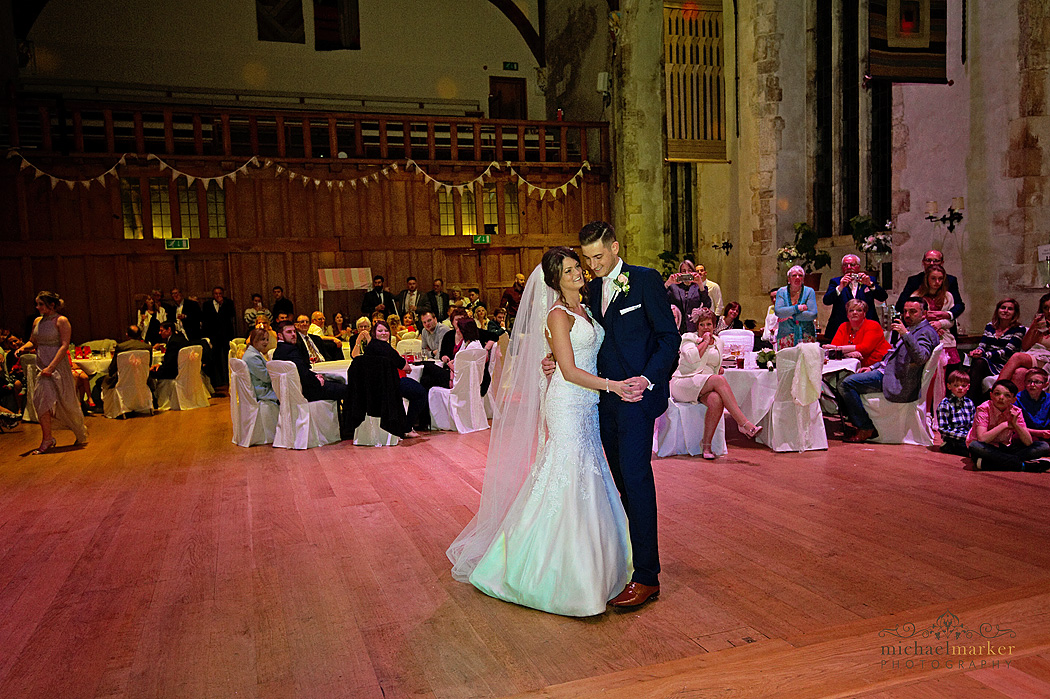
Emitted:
<point x="641" y="337"/>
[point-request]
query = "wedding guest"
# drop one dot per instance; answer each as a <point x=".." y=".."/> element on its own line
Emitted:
<point x="853" y="284"/>
<point x="256" y="310"/>
<point x="932" y="257"/>
<point x="1002" y="338"/>
<point x="410" y="297"/>
<point x="512" y="297"/>
<point x="432" y="334"/>
<point x="408" y="322"/>
<point x="955" y="415"/>
<point x="411" y="390"/>
<point x="281" y="304"/>
<point x="393" y="322"/>
<point x="935" y="290"/>
<point x="314" y="386"/>
<point x="501" y="318"/>
<point x="378" y="299"/>
<point x="1035" y="346"/>
<point x="438" y="301"/>
<point x="769" y="328"/>
<point x="860" y="337"/>
<point x="317" y="329"/>
<point x="149" y="320"/>
<point x="339" y="328"/>
<point x="488" y="328"/>
<point x="362" y="337"/>
<point x="473" y="298"/>
<point x="305" y="340"/>
<point x="685" y="294"/>
<point x="713" y="290"/>
<point x="217" y="320"/>
<point x="730" y="319"/>
<point x="999" y="439"/>
<point x="255" y="358"/>
<point x="698" y="378"/>
<point x="186" y="314"/>
<point x="1034" y="403"/>
<point x="796" y="307"/>
<point x="456" y="297"/>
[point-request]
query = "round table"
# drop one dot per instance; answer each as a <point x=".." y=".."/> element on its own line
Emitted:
<point x="337" y="370"/>
<point x="755" y="389"/>
<point x="94" y="365"/>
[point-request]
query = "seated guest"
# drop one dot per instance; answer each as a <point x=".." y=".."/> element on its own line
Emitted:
<point x="255" y="358"/>
<point x="1034" y="403"/>
<point x="339" y="327"/>
<point x="408" y="322"/>
<point x="685" y="293"/>
<point x="149" y="321"/>
<point x="501" y="318"/>
<point x="363" y="336"/>
<point x="730" y="319"/>
<point x="999" y="439"/>
<point x="305" y="340"/>
<point x="935" y="290"/>
<point x="854" y="284"/>
<point x="411" y="390"/>
<point x="1002" y="338"/>
<point x="860" y="337"/>
<point x="393" y="321"/>
<point x="698" y="378"/>
<point x="465" y="336"/>
<point x="488" y="328"/>
<point x="314" y="386"/>
<point x="1035" y="347"/>
<point x="255" y="311"/>
<point x="796" y="307"/>
<point x="432" y="334"/>
<point x="898" y="376"/>
<point x="473" y="298"/>
<point x="172" y="343"/>
<point x="955" y="415"/>
<point x="455" y="297"/>
<point x="263" y="323"/>
<point x="317" y="329"/>
<point x="132" y="341"/>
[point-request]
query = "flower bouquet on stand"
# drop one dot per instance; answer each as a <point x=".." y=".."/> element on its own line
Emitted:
<point x="767" y="359"/>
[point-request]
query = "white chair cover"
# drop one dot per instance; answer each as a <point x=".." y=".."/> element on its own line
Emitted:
<point x="461" y="407"/>
<point x="680" y="430"/>
<point x="105" y="346"/>
<point x="370" y="434"/>
<point x="904" y="423"/>
<point x="495" y="373"/>
<point x="254" y="422"/>
<point x="237" y="349"/>
<point x="744" y="339"/>
<point x="413" y="346"/>
<point x="187" y="390"/>
<point x="32" y="372"/>
<point x="301" y="424"/>
<point x="410" y="335"/>
<point x="794" y="421"/>
<point x="131" y="394"/>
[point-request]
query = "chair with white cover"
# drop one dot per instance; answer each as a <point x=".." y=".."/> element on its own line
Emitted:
<point x="375" y="402"/>
<point x="301" y="424"/>
<point x="131" y="394"/>
<point x="254" y="421"/>
<point x="461" y="408"/>
<point x="903" y="423"/>
<point x="410" y="345"/>
<point x="794" y="421"/>
<point x="32" y="373"/>
<point x="410" y="335"/>
<point x="186" y="391"/>
<point x="744" y="339"/>
<point x="495" y="372"/>
<point x="680" y="430"/>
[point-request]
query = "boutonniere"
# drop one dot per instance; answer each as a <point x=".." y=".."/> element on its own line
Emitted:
<point x="622" y="283"/>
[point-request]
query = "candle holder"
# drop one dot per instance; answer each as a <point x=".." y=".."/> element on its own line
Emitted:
<point x="949" y="219"/>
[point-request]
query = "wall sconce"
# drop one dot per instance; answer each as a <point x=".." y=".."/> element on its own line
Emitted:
<point x="951" y="218"/>
<point x="725" y="247"/>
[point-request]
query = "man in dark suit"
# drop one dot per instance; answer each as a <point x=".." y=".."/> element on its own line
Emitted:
<point x="378" y="299"/>
<point x="186" y="315"/>
<point x="640" y="348"/>
<point x="132" y="341"/>
<point x="438" y="301"/>
<point x="853" y="284"/>
<point x="899" y="375"/>
<point x="411" y="299"/>
<point x="315" y="387"/>
<point x="281" y="304"/>
<point x="218" y="323"/>
<point x="933" y="257"/>
<point x="173" y="342"/>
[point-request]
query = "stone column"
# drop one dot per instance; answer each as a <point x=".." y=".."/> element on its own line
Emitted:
<point x="638" y="130"/>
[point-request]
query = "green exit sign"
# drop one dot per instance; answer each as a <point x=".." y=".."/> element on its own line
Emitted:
<point x="177" y="244"/>
<point x="482" y="239"/>
<point x="510" y="65"/>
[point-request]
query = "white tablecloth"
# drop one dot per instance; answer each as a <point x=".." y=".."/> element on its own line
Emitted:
<point x="95" y="365"/>
<point x="755" y="388"/>
<point x="332" y="370"/>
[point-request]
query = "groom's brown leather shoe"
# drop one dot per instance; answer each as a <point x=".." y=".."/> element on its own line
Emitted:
<point x="635" y="595"/>
<point x="861" y="436"/>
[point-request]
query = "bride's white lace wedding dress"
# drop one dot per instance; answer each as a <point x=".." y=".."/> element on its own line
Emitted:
<point x="563" y="546"/>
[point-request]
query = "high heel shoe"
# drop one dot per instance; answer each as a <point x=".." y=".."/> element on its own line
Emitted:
<point x="751" y="431"/>
<point x="43" y="448"/>
<point x="708" y="454"/>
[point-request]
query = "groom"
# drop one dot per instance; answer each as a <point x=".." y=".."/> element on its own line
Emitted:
<point x="640" y="347"/>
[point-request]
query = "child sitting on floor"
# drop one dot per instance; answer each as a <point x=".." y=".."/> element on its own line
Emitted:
<point x="1034" y="403"/>
<point x="999" y="439"/>
<point x="955" y="414"/>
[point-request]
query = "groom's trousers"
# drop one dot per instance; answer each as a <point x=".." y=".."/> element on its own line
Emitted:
<point x="627" y="437"/>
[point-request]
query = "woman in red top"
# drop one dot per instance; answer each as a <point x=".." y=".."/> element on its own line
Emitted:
<point x="860" y="337"/>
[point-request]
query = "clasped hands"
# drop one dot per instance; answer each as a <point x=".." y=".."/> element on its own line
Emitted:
<point x="633" y="388"/>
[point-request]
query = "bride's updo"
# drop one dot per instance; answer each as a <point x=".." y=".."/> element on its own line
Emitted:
<point x="553" y="263"/>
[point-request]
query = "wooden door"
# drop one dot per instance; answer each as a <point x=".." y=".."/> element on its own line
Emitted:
<point x="507" y="98"/>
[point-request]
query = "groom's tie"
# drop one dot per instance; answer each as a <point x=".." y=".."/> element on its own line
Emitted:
<point x="606" y="293"/>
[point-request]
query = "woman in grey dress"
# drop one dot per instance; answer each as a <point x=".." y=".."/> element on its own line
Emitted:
<point x="54" y="397"/>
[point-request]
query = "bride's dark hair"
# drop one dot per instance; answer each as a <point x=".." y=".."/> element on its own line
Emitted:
<point x="553" y="263"/>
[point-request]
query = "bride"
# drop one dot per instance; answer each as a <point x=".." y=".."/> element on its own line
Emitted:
<point x="550" y="532"/>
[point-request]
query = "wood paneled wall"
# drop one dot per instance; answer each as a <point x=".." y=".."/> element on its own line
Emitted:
<point x="279" y="233"/>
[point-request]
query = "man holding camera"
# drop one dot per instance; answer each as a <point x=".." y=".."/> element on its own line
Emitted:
<point x="853" y="284"/>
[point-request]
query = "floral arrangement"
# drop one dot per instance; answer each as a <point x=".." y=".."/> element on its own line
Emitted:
<point x="767" y="359"/>
<point x="871" y="238"/>
<point x="803" y="251"/>
<point x="621" y="283"/>
<point x="788" y="253"/>
<point x="82" y="352"/>
<point x="877" y="244"/>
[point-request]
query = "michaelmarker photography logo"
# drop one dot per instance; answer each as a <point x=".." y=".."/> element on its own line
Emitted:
<point x="946" y="643"/>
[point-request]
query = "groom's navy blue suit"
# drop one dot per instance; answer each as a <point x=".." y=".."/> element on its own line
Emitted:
<point x="641" y="339"/>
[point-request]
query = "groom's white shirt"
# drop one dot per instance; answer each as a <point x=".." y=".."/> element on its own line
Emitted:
<point x="608" y="290"/>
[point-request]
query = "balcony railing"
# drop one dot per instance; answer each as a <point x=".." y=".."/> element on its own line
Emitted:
<point x="101" y="129"/>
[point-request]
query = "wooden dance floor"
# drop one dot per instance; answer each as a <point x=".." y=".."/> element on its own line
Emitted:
<point x="162" y="561"/>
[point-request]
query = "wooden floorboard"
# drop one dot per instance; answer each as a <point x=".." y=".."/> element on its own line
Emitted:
<point x="162" y="561"/>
